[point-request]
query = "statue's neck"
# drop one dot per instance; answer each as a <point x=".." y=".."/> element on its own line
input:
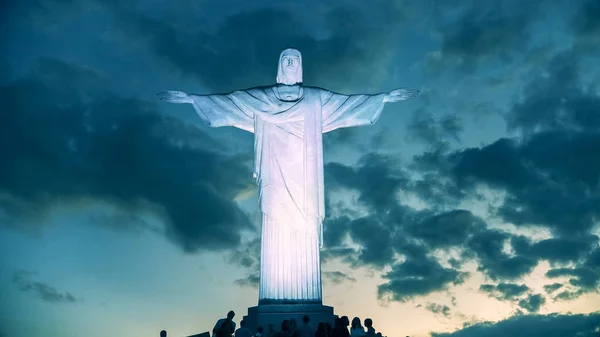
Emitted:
<point x="289" y="93"/>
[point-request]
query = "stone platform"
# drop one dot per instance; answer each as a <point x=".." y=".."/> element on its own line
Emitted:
<point x="265" y="314"/>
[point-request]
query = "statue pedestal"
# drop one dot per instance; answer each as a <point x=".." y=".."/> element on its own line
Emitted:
<point x="265" y="314"/>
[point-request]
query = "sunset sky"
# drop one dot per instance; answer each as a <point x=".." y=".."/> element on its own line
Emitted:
<point x="473" y="210"/>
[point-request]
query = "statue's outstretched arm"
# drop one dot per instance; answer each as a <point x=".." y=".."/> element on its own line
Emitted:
<point x="216" y="110"/>
<point x="402" y="94"/>
<point x="174" y="96"/>
<point x="343" y="111"/>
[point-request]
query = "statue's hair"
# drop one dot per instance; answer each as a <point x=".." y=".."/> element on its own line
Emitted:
<point x="282" y="79"/>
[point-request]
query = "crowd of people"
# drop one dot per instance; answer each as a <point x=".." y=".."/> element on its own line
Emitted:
<point x="225" y="327"/>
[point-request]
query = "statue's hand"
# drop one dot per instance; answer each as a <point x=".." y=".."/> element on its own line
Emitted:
<point x="173" y="96"/>
<point x="401" y="95"/>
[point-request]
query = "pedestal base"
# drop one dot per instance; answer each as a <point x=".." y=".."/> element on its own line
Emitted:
<point x="265" y="314"/>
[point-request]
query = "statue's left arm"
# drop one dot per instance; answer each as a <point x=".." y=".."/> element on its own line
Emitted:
<point x="342" y="111"/>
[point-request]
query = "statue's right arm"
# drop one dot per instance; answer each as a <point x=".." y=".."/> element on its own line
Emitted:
<point x="173" y="96"/>
<point x="215" y="110"/>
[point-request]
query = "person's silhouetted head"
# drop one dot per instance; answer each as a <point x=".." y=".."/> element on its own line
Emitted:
<point x="305" y="319"/>
<point x="344" y="321"/>
<point x="242" y="323"/>
<point x="163" y="333"/>
<point x="321" y="328"/>
<point x="368" y="322"/>
<point x="259" y="329"/>
<point x="356" y="323"/>
<point x="231" y="314"/>
<point x="285" y="325"/>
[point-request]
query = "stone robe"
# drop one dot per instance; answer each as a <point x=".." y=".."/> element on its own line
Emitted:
<point x="288" y="150"/>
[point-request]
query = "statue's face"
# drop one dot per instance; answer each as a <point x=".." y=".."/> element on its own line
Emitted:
<point x="290" y="65"/>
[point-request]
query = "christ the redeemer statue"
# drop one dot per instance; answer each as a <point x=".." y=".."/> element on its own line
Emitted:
<point x="288" y="121"/>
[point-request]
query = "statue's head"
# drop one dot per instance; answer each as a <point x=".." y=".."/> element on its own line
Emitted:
<point x="289" y="70"/>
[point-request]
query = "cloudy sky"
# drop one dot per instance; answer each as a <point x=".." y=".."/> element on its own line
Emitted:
<point x="473" y="210"/>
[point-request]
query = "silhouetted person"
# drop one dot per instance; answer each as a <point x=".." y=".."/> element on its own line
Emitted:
<point x="369" y="326"/>
<point x="321" y="330"/>
<point x="341" y="327"/>
<point x="271" y="332"/>
<point x="285" y="329"/>
<point x="329" y="329"/>
<point x="225" y="326"/>
<point x="163" y="333"/>
<point x="305" y="330"/>
<point x="357" y="330"/>
<point x="293" y="328"/>
<point x="336" y="327"/>
<point x="259" y="331"/>
<point x="345" y="322"/>
<point x="243" y="331"/>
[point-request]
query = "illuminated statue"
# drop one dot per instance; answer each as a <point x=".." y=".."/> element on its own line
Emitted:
<point x="288" y="121"/>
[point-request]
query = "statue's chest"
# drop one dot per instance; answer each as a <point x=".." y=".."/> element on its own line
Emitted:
<point x="289" y="93"/>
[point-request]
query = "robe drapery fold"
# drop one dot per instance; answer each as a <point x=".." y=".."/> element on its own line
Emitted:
<point x="288" y="166"/>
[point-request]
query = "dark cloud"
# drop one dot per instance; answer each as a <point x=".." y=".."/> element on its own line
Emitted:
<point x="551" y="178"/>
<point x="250" y="281"/>
<point x="488" y="249"/>
<point x="550" y="288"/>
<point x="44" y="291"/>
<point x="474" y="32"/>
<point x="375" y="240"/>
<point x="70" y="141"/>
<point x="437" y="191"/>
<point x="553" y="325"/>
<point x="557" y="98"/>
<point x="446" y="229"/>
<point x="580" y="276"/>
<point x="391" y="228"/>
<point x="376" y="177"/>
<point x="557" y="164"/>
<point x="532" y="303"/>
<point x="335" y="230"/>
<point x="567" y="178"/>
<point x="346" y="254"/>
<point x="438" y="309"/>
<point x="426" y="128"/>
<point x="504" y="291"/>
<point x="562" y="250"/>
<point x="568" y="295"/>
<point x="247" y="256"/>
<point x="417" y="275"/>
<point x="584" y="277"/>
<point x="337" y="277"/>
<point x="377" y="181"/>
<point x="333" y="140"/>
